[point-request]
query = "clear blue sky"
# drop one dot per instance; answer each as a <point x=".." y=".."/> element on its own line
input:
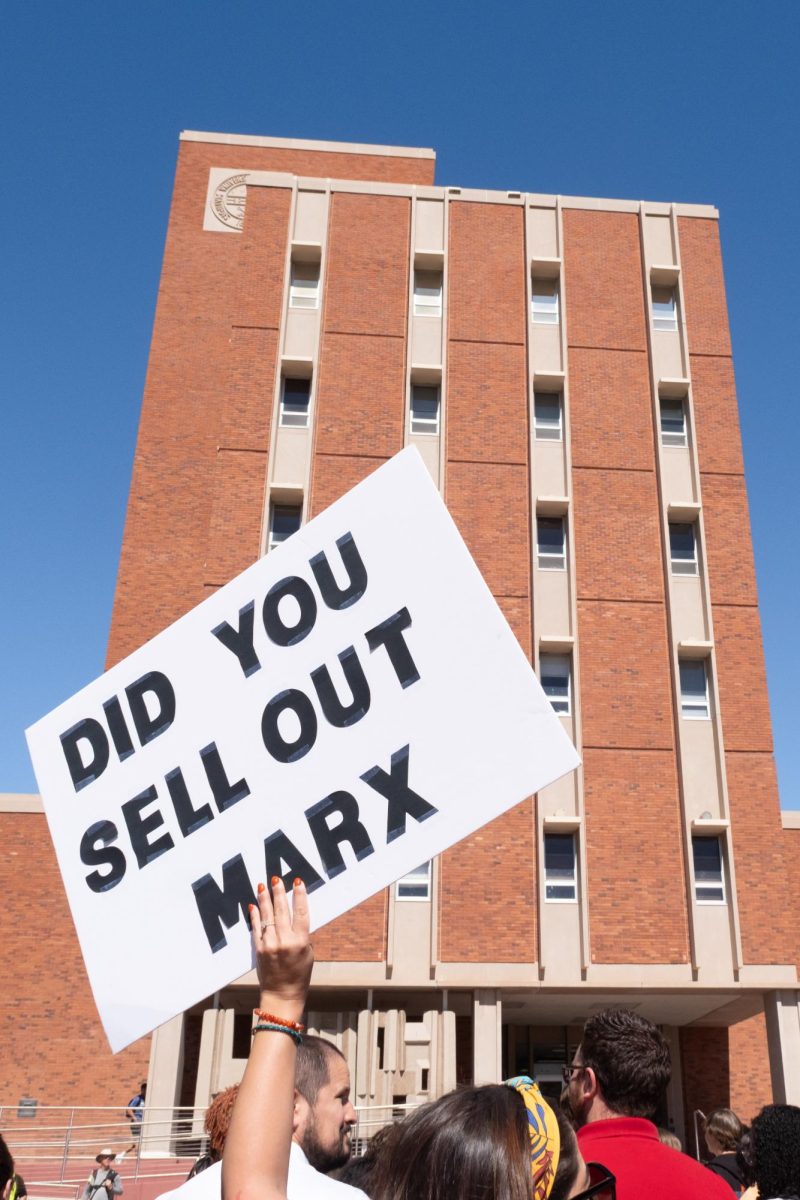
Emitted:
<point x="688" y="101"/>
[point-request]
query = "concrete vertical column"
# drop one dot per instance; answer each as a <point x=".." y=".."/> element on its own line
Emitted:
<point x="675" y="1089"/>
<point x="783" y="1039"/>
<point x="163" y="1087"/>
<point x="487" y="1050"/>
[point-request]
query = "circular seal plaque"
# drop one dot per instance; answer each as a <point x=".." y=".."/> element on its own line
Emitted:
<point x="228" y="201"/>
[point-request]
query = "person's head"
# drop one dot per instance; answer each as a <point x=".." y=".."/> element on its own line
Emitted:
<point x="6" y="1168"/>
<point x="323" y="1112"/>
<point x="620" y="1069"/>
<point x="105" y="1159"/>
<point x="143" y="1088"/>
<point x="668" y="1138"/>
<point x="722" y="1130"/>
<point x="744" y="1158"/>
<point x="472" y="1142"/>
<point x="775" y="1150"/>
<point x="218" y="1118"/>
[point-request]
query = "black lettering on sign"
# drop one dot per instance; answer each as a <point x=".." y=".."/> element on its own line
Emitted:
<point x="220" y="906"/>
<point x="91" y="732"/>
<point x="341" y="715"/>
<point x="140" y="827"/>
<point x="329" y="837"/>
<point x="240" y="641"/>
<point x="189" y="817"/>
<point x="156" y="684"/>
<point x="225" y="794"/>
<point x="105" y="854"/>
<point x="283" y="858"/>
<point x="390" y="634"/>
<point x="334" y="596"/>
<point x="277" y="631"/>
<point x="119" y="730"/>
<point x="403" y="801"/>
<point x="276" y="744"/>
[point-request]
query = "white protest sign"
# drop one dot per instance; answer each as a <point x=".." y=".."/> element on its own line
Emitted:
<point x="348" y="707"/>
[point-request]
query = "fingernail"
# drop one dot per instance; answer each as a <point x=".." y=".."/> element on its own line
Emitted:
<point x="251" y="908"/>
<point x="297" y="882"/>
<point x="262" y="887"/>
<point x="275" y="879"/>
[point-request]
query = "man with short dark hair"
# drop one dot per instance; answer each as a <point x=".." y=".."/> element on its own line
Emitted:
<point x="612" y="1089"/>
<point x="321" y="1124"/>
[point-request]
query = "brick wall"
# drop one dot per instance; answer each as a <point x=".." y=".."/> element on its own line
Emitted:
<point x="54" y="1048"/>
<point x="725" y="1067"/>
<point x="637" y="915"/>
<point x="603" y="279"/>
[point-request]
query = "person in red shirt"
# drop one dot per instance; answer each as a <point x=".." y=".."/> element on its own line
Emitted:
<point x="612" y="1089"/>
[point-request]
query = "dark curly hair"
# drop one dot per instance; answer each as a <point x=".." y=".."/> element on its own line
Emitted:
<point x="630" y="1059"/>
<point x="776" y="1150"/>
<point x="6" y="1164"/>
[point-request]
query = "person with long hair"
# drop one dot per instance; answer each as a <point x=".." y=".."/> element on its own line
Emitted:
<point x="499" y="1142"/>
<point x="723" y="1131"/>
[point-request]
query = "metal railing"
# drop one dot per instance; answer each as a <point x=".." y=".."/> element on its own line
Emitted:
<point x="55" y="1149"/>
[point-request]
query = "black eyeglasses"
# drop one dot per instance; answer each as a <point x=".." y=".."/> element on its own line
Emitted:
<point x="602" y="1184"/>
<point x="568" y="1072"/>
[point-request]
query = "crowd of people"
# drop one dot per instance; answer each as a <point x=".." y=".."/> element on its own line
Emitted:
<point x="285" y="1132"/>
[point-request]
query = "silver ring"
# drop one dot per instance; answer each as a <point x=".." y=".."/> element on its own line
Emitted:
<point x="265" y="926"/>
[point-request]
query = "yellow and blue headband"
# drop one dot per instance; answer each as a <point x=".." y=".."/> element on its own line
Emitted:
<point x="544" y="1135"/>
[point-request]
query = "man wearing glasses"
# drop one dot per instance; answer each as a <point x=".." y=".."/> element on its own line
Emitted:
<point x="613" y="1086"/>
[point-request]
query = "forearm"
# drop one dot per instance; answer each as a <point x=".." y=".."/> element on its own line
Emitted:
<point x="254" y="1166"/>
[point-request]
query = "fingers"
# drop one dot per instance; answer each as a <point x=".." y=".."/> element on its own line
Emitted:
<point x="280" y="906"/>
<point x="300" y="908"/>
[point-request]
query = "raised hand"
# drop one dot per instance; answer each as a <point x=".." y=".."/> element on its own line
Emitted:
<point x="284" y="956"/>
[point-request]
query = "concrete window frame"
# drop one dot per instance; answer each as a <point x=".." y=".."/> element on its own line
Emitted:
<point x="428" y="284"/>
<point x="415" y="886"/>
<point x="683" y="557"/>
<point x="695" y="704"/>
<point x="545" y="300"/>
<point x="304" y="284"/>
<point x="560" y="860"/>
<point x="709" y="869"/>
<point x="672" y="421"/>
<point x="426" y="408"/>
<point x="284" y="520"/>
<point x="555" y="675"/>
<point x="551" y="543"/>
<point x="548" y="416"/>
<point x="664" y="307"/>
<point x="294" y="414"/>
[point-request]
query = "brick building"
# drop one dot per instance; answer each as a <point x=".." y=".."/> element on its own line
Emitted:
<point x="564" y="367"/>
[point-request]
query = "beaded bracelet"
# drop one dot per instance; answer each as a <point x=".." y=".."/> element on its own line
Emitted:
<point x="265" y="1016"/>
<point x="271" y="1027"/>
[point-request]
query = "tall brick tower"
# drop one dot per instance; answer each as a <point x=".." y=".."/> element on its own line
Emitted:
<point x="564" y="367"/>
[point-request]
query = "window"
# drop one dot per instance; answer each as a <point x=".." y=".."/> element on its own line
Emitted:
<point x="694" y="689"/>
<point x="673" y="422"/>
<point x="544" y="302"/>
<point x="682" y="548"/>
<point x="551" y="543"/>
<point x="665" y="310"/>
<point x="424" y="409"/>
<point x="560" y="876"/>
<point x="709" y="878"/>
<point x="285" y="519"/>
<point x="416" y="885"/>
<point x="304" y="285"/>
<point x="554" y="672"/>
<point x="295" y="399"/>
<point x="547" y="416"/>
<point x="427" y="293"/>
